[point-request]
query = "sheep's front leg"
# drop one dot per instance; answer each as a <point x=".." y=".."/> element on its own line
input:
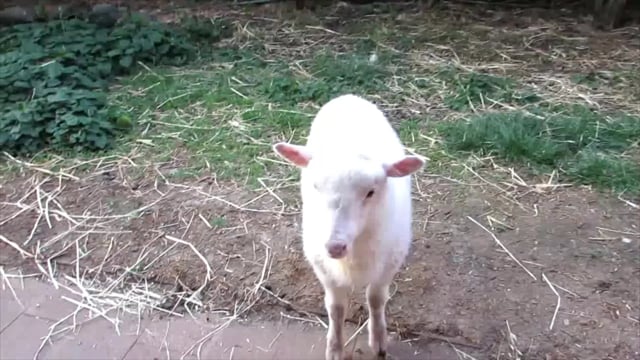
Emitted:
<point x="336" y="302"/>
<point x="377" y="296"/>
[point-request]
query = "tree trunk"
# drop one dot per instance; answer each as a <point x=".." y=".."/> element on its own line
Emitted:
<point x="608" y="13"/>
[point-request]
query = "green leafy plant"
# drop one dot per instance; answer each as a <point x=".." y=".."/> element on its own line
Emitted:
<point x="54" y="77"/>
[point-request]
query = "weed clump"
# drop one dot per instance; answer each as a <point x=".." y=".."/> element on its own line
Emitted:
<point x="54" y="77"/>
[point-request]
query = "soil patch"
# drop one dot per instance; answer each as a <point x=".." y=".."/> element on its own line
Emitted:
<point x="457" y="282"/>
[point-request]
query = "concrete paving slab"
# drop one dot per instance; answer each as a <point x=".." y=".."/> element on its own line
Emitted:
<point x="169" y="337"/>
<point x="281" y="341"/>
<point x="40" y="298"/>
<point x="23" y="337"/>
<point x="267" y="341"/>
<point x="10" y="308"/>
<point x="94" y="339"/>
<point x="51" y="304"/>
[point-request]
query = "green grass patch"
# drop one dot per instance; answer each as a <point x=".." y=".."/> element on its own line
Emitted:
<point x="605" y="170"/>
<point x="473" y="89"/>
<point x="621" y="80"/>
<point x="370" y="39"/>
<point x="332" y="75"/>
<point x="239" y="138"/>
<point x="228" y="111"/>
<point x="221" y="115"/>
<point x="589" y="147"/>
<point x="236" y="74"/>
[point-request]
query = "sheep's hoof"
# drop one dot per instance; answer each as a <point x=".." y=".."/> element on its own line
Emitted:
<point x="382" y="355"/>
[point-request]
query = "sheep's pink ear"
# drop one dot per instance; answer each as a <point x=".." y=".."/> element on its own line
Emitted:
<point x="298" y="155"/>
<point x="407" y="166"/>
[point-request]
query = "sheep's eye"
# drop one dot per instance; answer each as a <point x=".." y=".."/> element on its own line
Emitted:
<point x="370" y="194"/>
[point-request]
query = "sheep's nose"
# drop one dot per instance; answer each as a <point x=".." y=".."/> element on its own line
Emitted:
<point x="337" y="250"/>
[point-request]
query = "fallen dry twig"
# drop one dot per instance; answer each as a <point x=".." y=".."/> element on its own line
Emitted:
<point x="555" y="313"/>
<point x="503" y="247"/>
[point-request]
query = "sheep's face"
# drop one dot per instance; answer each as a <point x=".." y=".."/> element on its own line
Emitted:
<point x="341" y="191"/>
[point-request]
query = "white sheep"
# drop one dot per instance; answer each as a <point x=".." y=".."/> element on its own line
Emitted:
<point x="356" y="210"/>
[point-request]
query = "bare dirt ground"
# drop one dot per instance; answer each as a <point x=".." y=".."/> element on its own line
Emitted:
<point x="572" y="293"/>
<point x="457" y="282"/>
